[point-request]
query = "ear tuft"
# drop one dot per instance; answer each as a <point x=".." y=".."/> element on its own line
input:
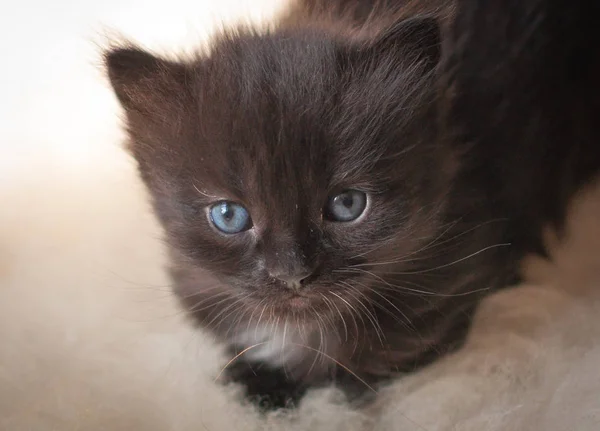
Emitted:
<point x="121" y="62"/>
<point x="127" y="69"/>
<point x="418" y="38"/>
<point x="139" y="79"/>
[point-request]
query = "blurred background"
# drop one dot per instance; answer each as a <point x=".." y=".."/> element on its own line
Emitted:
<point x="53" y="99"/>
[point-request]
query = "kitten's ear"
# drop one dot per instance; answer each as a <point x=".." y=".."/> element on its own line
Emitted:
<point x="414" y="39"/>
<point x="142" y="82"/>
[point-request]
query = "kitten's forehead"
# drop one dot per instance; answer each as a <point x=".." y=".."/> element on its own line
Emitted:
<point x="283" y="121"/>
<point x="292" y="66"/>
<point x="270" y="115"/>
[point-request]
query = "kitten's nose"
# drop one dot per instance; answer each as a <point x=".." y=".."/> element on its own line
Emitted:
<point x="293" y="281"/>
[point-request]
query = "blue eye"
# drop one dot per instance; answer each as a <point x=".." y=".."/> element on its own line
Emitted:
<point x="230" y="217"/>
<point x="346" y="206"/>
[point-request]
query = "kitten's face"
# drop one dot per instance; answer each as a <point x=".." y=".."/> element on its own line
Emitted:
<point x="288" y="166"/>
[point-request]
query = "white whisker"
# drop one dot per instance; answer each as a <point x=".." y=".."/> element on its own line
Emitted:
<point x="369" y="314"/>
<point x="453" y="262"/>
<point x="331" y="304"/>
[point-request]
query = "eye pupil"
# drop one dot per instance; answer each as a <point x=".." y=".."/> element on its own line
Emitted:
<point x="230" y="217"/>
<point x="226" y="211"/>
<point x="347" y="201"/>
<point x="346" y="206"/>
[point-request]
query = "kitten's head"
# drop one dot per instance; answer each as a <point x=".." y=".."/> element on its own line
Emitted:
<point x="290" y="164"/>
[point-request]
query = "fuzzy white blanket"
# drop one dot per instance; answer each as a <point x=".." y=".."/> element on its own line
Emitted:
<point x="90" y="338"/>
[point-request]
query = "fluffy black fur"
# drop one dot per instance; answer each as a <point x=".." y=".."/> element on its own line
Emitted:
<point x="522" y="82"/>
<point x="283" y="120"/>
<point x="280" y="122"/>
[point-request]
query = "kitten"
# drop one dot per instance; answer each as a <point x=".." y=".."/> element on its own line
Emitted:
<point x="303" y="192"/>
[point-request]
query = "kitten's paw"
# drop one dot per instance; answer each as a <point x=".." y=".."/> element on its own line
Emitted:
<point x="267" y="388"/>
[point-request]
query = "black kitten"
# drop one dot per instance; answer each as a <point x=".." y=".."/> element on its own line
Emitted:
<point x="303" y="189"/>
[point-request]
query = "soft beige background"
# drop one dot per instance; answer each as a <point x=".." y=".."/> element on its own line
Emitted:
<point x="90" y="338"/>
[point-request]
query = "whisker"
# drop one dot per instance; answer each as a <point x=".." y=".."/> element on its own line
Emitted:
<point x="385" y="282"/>
<point x="314" y="362"/>
<point x="431" y="244"/>
<point x="236" y="322"/>
<point x="466" y="231"/>
<point x="233" y="308"/>
<point x="396" y="287"/>
<point x="203" y="291"/>
<point x="423" y="248"/>
<point x="408" y="324"/>
<point x="259" y="320"/>
<point x="323" y="345"/>
<point x="285" y="324"/>
<point x="351" y="308"/>
<point x="369" y="314"/>
<point x="319" y="352"/>
<point x="505" y="244"/>
<point x="236" y="302"/>
<point x="394" y="238"/>
<point x="195" y="308"/>
<point x="329" y="305"/>
<point x="252" y="314"/>
<point x="300" y="325"/>
<point x="236" y="357"/>
<point x="354" y="322"/>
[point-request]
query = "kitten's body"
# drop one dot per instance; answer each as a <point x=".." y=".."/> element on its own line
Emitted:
<point x="279" y="122"/>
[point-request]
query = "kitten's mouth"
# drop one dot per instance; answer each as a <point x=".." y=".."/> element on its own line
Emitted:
<point x="303" y="303"/>
<point x="298" y="302"/>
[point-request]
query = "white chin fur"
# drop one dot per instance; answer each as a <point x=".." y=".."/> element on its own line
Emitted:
<point x="277" y="346"/>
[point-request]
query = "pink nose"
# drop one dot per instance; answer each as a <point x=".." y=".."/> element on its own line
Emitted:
<point x="293" y="281"/>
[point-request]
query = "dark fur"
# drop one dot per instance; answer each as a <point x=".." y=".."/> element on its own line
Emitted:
<point x="281" y="120"/>
<point x="522" y="82"/>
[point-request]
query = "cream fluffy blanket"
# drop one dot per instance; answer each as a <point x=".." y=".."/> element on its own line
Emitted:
<point x="90" y="338"/>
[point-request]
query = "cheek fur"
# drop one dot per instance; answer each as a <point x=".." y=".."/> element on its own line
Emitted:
<point x="383" y="223"/>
